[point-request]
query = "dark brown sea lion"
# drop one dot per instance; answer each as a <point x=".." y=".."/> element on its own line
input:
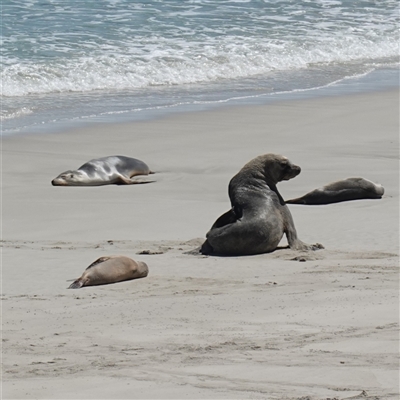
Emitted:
<point x="259" y="216"/>
<point x="119" y="170"/>
<point x="111" y="269"/>
<point x="344" y="190"/>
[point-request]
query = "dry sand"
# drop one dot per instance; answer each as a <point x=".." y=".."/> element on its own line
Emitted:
<point x="285" y="325"/>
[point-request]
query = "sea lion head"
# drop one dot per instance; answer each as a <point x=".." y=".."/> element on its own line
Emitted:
<point x="288" y="170"/>
<point x="278" y="168"/>
<point x="69" y="178"/>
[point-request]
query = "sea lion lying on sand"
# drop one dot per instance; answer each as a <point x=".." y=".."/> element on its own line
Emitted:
<point x="259" y="216"/>
<point x="345" y="190"/>
<point x="110" y="269"/>
<point x="105" y="171"/>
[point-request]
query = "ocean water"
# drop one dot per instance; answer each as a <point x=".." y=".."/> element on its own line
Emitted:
<point x="68" y="62"/>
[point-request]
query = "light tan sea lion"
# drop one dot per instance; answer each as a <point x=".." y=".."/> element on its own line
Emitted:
<point x="118" y="170"/>
<point x="111" y="269"/>
<point x="344" y="190"/>
<point x="259" y="216"/>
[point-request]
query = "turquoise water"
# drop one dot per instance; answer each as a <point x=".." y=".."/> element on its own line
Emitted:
<point x="71" y="61"/>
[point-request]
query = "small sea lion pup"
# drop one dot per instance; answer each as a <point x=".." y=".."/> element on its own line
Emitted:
<point x="110" y="269"/>
<point x="119" y="170"/>
<point x="259" y="216"/>
<point x="344" y="190"/>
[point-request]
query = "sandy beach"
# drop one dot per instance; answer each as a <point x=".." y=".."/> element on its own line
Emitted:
<point x="283" y="325"/>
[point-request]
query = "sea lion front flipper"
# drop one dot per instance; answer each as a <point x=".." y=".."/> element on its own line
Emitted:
<point x="98" y="261"/>
<point x="125" y="180"/>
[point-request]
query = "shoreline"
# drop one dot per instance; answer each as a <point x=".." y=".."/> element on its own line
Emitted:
<point x="378" y="80"/>
<point x="281" y="325"/>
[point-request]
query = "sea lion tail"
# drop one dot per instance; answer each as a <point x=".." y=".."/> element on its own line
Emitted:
<point x="76" y="284"/>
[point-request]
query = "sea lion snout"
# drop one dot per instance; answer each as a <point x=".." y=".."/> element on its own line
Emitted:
<point x="64" y="179"/>
<point x="290" y="171"/>
<point x="296" y="169"/>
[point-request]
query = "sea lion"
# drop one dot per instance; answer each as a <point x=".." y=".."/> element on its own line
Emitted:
<point x="259" y="216"/>
<point x="344" y="190"/>
<point x="119" y="170"/>
<point x="110" y="269"/>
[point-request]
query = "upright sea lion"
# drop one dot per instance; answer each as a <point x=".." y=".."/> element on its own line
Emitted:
<point x="344" y="190"/>
<point x="105" y="171"/>
<point x="111" y="269"/>
<point x="259" y="216"/>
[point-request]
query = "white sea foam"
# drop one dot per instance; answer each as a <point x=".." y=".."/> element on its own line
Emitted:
<point x="10" y="114"/>
<point x="177" y="65"/>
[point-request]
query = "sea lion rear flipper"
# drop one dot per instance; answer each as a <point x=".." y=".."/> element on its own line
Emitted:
<point x="136" y="180"/>
<point x="206" y="248"/>
<point x="225" y="219"/>
<point x="313" y="198"/>
<point x="77" y="284"/>
<point x="299" y="200"/>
